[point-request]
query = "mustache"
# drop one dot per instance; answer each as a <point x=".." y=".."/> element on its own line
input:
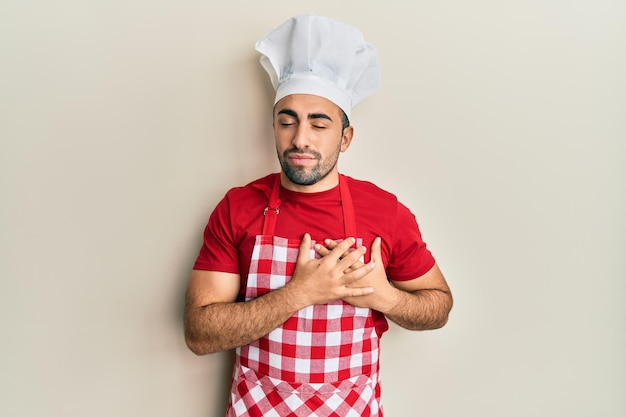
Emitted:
<point x="290" y="151"/>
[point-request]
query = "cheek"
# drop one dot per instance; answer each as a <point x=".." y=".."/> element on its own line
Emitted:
<point x="281" y="141"/>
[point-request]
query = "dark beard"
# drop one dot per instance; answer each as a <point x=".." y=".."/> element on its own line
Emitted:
<point x="300" y="175"/>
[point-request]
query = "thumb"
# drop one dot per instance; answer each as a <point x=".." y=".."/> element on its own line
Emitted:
<point x="375" y="254"/>
<point x="305" y="247"/>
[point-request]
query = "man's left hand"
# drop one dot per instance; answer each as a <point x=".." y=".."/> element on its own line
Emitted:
<point x="384" y="296"/>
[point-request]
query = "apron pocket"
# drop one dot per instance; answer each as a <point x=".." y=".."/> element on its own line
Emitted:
<point x="257" y="395"/>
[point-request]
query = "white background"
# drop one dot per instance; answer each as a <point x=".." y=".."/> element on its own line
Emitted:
<point x="501" y="124"/>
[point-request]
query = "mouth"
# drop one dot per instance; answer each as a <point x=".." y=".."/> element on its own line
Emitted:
<point x="300" y="158"/>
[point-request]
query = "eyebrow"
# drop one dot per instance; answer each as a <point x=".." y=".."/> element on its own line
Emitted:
<point x="310" y="116"/>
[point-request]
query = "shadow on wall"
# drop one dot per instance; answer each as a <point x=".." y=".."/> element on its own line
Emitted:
<point x="253" y="146"/>
<point x="223" y="381"/>
<point x="216" y="368"/>
<point x="253" y="140"/>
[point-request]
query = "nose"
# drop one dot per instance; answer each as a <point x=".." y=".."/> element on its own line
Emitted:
<point x="300" y="138"/>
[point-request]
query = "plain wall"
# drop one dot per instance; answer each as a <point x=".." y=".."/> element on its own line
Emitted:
<point x="501" y="124"/>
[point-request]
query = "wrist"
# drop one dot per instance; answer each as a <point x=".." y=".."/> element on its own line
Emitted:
<point x="295" y="296"/>
<point x="391" y="299"/>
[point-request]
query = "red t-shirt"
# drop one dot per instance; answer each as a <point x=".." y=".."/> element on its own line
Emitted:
<point x="238" y="218"/>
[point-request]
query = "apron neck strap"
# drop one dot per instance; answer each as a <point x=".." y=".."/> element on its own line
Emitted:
<point x="349" y="220"/>
<point x="271" y="211"/>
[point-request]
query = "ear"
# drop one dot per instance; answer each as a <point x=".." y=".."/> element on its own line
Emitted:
<point x="346" y="139"/>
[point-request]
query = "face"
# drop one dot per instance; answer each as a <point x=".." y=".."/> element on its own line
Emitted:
<point x="309" y="137"/>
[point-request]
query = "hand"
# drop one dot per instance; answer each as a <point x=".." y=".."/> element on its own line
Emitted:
<point x="334" y="276"/>
<point x="384" y="296"/>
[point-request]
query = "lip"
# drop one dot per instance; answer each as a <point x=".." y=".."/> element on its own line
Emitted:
<point x="297" y="156"/>
<point x="300" y="159"/>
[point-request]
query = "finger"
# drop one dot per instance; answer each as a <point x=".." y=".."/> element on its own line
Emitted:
<point x="321" y="250"/>
<point x="375" y="254"/>
<point x="342" y="248"/>
<point x="352" y="258"/>
<point x="358" y="292"/>
<point x="355" y="274"/>
<point x="305" y="246"/>
<point x="331" y="244"/>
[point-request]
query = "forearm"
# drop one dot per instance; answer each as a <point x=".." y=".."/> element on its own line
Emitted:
<point x="226" y="325"/>
<point x="420" y="310"/>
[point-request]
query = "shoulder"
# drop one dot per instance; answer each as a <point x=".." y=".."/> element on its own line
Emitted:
<point x="242" y="207"/>
<point x="369" y="192"/>
<point x="259" y="188"/>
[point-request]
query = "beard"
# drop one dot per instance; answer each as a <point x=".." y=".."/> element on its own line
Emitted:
<point x="308" y="176"/>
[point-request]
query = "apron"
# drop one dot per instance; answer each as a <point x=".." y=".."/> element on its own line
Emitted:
<point x="323" y="361"/>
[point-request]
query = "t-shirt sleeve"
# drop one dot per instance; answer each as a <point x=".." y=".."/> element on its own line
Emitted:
<point x="410" y="258"/>
<point x="219" y="251"/>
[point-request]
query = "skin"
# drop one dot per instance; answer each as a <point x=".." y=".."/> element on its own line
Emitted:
<point x="309" y="138"/>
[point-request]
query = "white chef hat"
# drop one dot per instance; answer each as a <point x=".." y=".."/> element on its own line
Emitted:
<point x="310" y="54"/>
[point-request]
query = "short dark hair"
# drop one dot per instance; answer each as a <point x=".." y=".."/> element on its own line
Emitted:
<point x="344" y="120"/>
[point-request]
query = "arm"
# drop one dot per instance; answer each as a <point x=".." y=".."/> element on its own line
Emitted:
<point x="422" y="303"/>
<point x="214" y="321"/>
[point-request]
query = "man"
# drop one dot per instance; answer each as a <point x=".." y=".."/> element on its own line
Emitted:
<point x="300" y="270"/>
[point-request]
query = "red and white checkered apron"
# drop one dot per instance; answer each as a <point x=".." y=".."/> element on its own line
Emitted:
<point x="323" y="361"/>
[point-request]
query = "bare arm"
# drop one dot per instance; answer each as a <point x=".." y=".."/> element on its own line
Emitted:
<point x="422" y="303"/>
<point x="214" y="321"/>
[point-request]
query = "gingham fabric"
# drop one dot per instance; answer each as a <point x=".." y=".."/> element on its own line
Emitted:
<point x="258" y="395"/>
<point x="323" y="361"/>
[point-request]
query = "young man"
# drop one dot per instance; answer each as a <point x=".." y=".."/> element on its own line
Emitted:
<point x="300" y="270"/>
